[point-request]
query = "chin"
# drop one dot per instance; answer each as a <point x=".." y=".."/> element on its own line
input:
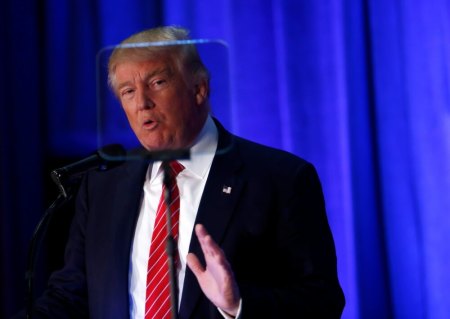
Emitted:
<point x="161" y="145"/>
<point x="157" y="146"/>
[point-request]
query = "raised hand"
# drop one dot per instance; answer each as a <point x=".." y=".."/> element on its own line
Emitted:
<point x="216" y="279"/>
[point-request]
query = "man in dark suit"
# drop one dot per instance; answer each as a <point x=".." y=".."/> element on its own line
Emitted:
<point x="253" y="236"/>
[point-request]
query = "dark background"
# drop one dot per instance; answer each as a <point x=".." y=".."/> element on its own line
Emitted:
<point x="361" y="88"/>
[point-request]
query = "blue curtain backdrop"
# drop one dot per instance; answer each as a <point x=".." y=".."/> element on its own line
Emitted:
<point x="361" y="88"/>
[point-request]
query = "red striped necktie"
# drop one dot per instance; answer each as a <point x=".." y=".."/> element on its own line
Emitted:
<point x="157" y="303"/>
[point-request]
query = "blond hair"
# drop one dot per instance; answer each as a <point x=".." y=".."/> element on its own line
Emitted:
<point x="153" y="42"/>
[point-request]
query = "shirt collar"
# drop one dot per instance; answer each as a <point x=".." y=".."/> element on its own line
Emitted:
<point x="202" y="153"/>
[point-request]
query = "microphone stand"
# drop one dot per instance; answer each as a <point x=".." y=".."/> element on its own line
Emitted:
<point x="171" y="245"/>
<point x="63" y="197"/>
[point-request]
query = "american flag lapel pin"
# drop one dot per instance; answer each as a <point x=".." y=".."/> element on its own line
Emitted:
<point x="226" y="189"/>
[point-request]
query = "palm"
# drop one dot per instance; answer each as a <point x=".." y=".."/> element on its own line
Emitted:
<point x="216" y="279"/>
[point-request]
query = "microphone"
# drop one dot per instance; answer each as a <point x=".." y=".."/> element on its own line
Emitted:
<point x="105" y="158"/>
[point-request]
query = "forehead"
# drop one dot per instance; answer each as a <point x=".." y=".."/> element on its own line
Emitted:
<point x="141" y="67"/>
<point x="134" y="69"/>
<point x="154" y="58"/>
<point x="142" y="56"/>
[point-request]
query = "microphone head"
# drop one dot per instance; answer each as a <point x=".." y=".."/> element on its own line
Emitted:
<point x="103" y="159"/>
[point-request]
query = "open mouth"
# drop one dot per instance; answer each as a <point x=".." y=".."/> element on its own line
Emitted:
<point x="149" y="124"/>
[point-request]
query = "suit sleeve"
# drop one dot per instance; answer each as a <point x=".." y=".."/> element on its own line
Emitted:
<point x="303" y="277"/>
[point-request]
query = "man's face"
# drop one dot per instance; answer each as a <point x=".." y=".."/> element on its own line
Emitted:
<point x="165" y="107"/>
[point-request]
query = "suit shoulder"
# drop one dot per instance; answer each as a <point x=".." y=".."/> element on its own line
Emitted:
<point x="269" y="156"/>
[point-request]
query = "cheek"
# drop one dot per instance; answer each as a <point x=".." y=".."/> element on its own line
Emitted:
<point x="129" y="112"/>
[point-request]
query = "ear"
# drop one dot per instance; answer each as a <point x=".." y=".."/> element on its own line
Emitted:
<point x="201" y="91"/>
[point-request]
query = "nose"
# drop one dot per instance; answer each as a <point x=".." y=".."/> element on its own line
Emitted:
<point x="143" y="100"/>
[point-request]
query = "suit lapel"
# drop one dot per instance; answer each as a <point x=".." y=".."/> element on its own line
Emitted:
<point x="125" y="211"/>
<point x="217" y="205"/>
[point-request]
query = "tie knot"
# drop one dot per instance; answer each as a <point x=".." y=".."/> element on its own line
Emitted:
<point x="175" y="168"/>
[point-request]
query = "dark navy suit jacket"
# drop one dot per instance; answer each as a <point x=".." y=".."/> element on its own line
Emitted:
<point x="272" y="227"/>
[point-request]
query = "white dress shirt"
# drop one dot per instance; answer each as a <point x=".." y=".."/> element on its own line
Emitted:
<point x="191" y="182"/>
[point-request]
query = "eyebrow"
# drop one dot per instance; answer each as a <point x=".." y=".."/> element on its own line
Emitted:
<point x="148" y="76"/>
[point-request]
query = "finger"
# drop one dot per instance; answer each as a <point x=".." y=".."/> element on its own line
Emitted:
<point x="201" y="231"/>
<point x="194" y="264"/>
<point x="208" y="245"/>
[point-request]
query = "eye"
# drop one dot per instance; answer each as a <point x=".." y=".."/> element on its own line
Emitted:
<point x="158" y="84"/>
<point x="126" y="92"/>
